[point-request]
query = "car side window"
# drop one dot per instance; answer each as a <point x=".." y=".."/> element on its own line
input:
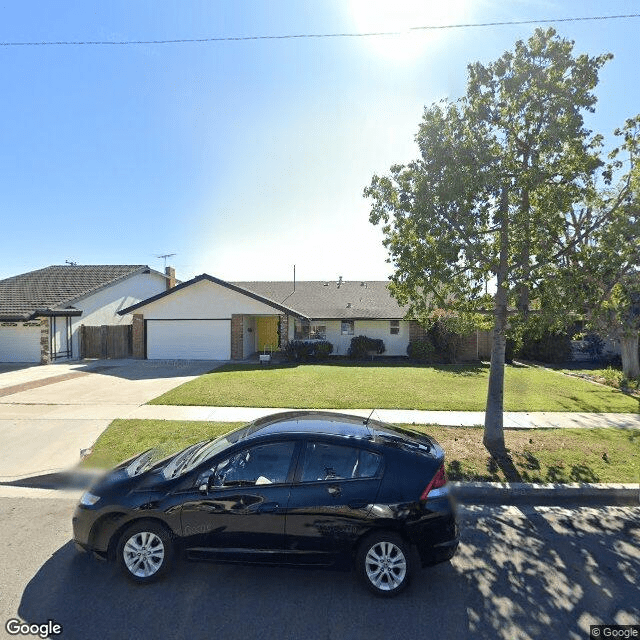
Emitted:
<point x="261" y="464"/>
<point x="336" y="462"/>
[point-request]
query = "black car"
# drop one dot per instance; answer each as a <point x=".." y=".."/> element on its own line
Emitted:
<point x="306" y="488"/>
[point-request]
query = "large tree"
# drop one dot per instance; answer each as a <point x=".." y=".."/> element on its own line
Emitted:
<point x="487" y="201"/>
<point x="603" y="268"/>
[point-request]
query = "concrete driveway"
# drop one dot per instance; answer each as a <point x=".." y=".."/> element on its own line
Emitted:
<point x="49" y="413"/>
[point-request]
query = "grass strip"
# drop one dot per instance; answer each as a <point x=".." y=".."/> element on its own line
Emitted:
<point x="536" y="455"/>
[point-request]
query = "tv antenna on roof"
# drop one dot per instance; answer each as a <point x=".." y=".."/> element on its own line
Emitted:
<point x="71" y="263"/>
<point x="165" y="256"/>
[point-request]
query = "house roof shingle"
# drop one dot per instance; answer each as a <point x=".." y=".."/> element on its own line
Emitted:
<point x="54" y="289"/>
<point x="322" y="299"/>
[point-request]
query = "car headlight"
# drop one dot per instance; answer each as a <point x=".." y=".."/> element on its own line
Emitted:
<point x="88" y="499"/>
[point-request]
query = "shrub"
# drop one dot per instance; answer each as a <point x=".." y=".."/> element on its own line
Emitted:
<point x="421" y="350"/>
<point x="612" y="377"/>
<point x="550" y="347"/>
<point x="446" y="341"/>
<point x="593" y="346"/>
<point x="361" y="346"/>
<point x="306" y="350"/>
<point x="323" y="350"/>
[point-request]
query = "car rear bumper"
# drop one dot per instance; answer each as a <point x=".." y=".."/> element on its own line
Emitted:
<point x="436" y="534"/>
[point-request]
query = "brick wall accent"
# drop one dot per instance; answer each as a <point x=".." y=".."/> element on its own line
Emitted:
<point x="137" y="335"/>
<point x="284" y="331"/>
<point x="472" y="348"/>
<point x="237" y="338"/>
<point x="485" y="342"/>
<point x="469" y="348"/>
<point x="45" y="343"/>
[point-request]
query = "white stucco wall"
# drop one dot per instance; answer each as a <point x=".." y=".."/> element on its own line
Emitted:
<point x="102" y="307"/>
<point x="204" y="299"/>
<point x="396" y="345"/>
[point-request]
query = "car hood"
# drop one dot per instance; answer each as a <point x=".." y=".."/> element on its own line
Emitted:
<point x="141" y="472"/>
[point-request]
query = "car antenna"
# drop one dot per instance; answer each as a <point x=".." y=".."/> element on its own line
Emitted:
<point x="366" y="422"/>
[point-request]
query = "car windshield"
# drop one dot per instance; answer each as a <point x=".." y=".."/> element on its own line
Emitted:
<point x="192" y="456"/>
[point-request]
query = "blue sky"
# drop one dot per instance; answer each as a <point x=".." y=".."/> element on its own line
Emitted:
<point x="242" y="158"/>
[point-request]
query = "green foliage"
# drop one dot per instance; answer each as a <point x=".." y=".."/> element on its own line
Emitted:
<point x="362" y="346"/>
<point x="604" y="277"/>
<point x="518" y="131"/>
<point x="421" y="350"/>
<point x="446" y="340"/>
<point x="323" y="350"/>
<point x="486" y="218"/>
<point x="593" y="346"/>
<point x="549" y="348"/>
<point x="308" y="350"/>
<point x="612" y="377"/>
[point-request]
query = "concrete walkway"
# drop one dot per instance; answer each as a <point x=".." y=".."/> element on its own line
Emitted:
<point x="512" y="420"/>
<point x="49" y="413"/>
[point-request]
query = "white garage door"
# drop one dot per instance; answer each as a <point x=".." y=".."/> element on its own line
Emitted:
<point x="189" y="339"/>
<point x="20" y="343"/>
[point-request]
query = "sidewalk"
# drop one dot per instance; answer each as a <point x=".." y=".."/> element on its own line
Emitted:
<point x="512" y="420"/>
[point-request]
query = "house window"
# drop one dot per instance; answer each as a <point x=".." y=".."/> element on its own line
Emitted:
<point x="347" y="328"/>
<point x="301" y="329"/>
<point x="318" y="332"/>
<point x="394" y="327"/>
<point x="305" y="330"/>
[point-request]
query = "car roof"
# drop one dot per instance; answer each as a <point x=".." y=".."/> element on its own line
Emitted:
<point x="318" y="422"/>
<point x="339" y="425"/>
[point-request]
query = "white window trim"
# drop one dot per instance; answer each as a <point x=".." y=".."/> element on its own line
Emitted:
<point x="350" y="331"/>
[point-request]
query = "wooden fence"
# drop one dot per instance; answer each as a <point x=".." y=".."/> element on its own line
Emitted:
<point x="106" y="341"/>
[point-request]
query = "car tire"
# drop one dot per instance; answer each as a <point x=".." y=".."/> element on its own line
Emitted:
<point x="145" y="552"/>
<point x="385" y="563"/>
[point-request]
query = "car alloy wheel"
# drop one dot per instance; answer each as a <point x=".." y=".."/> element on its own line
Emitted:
<point x="144" y="551"/>
<point x="384" y="563"/>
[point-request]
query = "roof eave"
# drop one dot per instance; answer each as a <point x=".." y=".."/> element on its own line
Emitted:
<point x="223" y="283"/>
<point x="48" y="313"/>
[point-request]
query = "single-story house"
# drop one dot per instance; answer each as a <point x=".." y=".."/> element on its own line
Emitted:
<point x="41" y="311"/>
<point x="209" y="318"/>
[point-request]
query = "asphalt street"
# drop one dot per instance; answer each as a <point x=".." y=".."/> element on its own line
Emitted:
<point x="520" y="573"/>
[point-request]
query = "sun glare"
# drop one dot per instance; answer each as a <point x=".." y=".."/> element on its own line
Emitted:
<point x="374" y="16"/>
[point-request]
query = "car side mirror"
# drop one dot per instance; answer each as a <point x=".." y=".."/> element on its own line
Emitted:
<point x="205" y="481"/>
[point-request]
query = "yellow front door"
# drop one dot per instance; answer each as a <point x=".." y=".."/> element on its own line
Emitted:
<point x="267" y="333"/>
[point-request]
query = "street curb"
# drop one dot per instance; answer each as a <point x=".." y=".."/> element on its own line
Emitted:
<point x="73" y="482"/>
<point x="584" y="494"/>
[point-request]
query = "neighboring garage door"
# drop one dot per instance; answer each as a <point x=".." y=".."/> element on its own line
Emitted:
<point x="188" y="339"/>
<point x="20" y="342"/>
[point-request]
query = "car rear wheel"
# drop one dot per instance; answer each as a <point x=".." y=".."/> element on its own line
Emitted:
<point x="145" y="552"/>
<point x="385" y="564"/>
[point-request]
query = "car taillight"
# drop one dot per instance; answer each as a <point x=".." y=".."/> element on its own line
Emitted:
<point x="439" y="480"/>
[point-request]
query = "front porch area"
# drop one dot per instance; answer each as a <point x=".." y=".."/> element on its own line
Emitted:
<point x="255" y="335"/>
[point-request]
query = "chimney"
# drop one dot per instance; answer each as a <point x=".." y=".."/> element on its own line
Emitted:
<point x="170" y="274"/>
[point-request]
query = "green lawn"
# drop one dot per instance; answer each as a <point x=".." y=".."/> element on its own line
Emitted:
<point x="537" y="455"/>
<point x="393" y="386"/>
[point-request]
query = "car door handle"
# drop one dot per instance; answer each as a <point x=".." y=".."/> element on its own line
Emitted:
<point x="268" y="507"/>
<point x="335" y="490"/>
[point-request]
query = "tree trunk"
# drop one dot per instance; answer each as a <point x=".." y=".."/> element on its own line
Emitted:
<point x="629" y="350"/>
<point x="493" y="421"/>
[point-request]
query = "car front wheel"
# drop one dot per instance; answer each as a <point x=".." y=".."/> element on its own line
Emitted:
<point x="145" y="552"/>
<point x="385" y="564"/>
